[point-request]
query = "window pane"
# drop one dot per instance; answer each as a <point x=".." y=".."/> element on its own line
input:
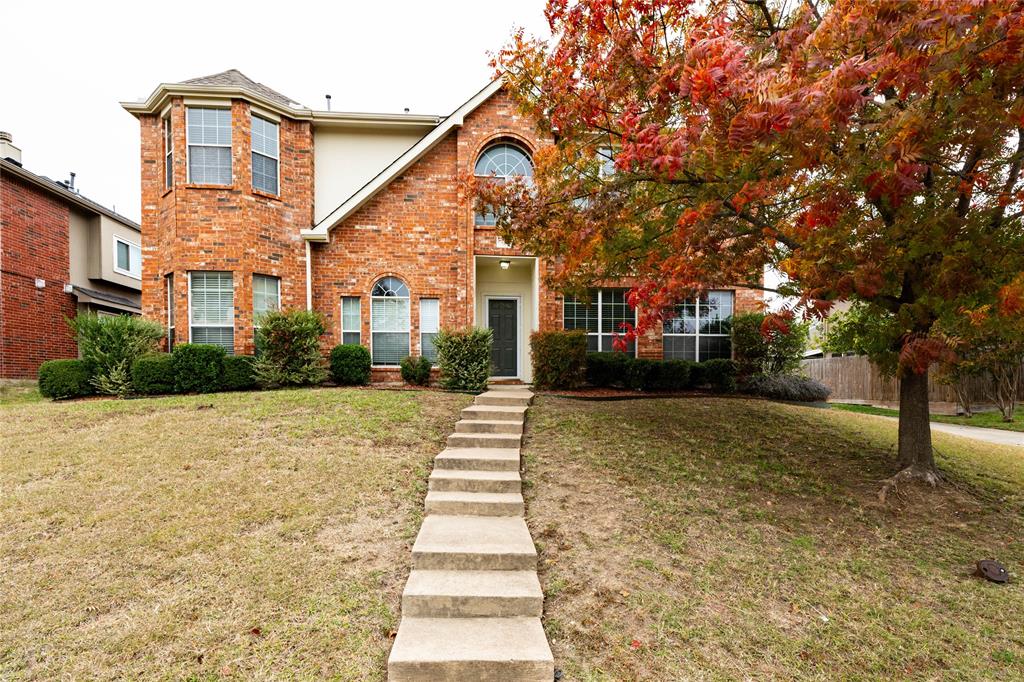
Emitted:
<point x="680" y="347"/>
<point x="264" y="137"/>
<point x="350" y="338"/>
<point x="212" y="298"/>
<point x="504" y="160"/>
<point x="264" y="173"/>
<point x="715" y="312"/>
<point x="428" y="349"/>
<point x="580" y="314"/>
<point x="350" y="317"/>
<point x="209" y="165"/>
<point x="684" y="320"/>
<point x="615" y="310"/>
<point x="390" y="286"/>
<point x="429" y="314"/>
<point x="608" y="344"/>
<point x="389" y="348"/>
<point x="209" y="126"/>
<point x="712" y="347"/>
<point x="218" y="336"/>
<point x="266" y="294"/>
<point x="123" y="256"/>
<point x="390" y="315"/>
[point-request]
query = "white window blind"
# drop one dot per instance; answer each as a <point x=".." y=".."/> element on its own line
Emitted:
<point x="350" y="320"/>
<point x="265" y="155"/>
<point x="212" y="310"/>
<point x="430" y="322"/>
<point x="209" y="145"/>
<point x="389" y="321"/>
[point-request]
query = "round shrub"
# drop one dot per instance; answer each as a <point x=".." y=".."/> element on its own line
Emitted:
<point x="198" y="367"/>
<point x="415" y="371"/>
<point x="559" y="358"/>
<point x="153" y="374"/>
<point x="464" y="356"/>
<point x="239" y="373"/>
<point x="606" y="369"/>
<point x="674" y="375"/>
<point x="350" y="365"/>
<point x="786" y="387"/>
<point x="59" y="379"/>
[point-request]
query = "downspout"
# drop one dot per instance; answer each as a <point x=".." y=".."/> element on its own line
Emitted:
<point x="309" y="277"/>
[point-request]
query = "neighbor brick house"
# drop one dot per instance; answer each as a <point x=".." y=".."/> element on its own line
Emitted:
<point x="252" y="202"/>
<point x="60" y="254"/>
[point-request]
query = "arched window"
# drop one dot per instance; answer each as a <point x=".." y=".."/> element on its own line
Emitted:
<point x="389" y="321"/>
<point x="501" y="161"/>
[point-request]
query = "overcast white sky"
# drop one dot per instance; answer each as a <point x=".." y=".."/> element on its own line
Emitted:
<point x="68" y="64"/>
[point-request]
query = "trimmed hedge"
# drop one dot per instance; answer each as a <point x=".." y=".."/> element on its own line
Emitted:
<point x="618" y="370"/>
<point x="786" y="387"/>
<point x="464" y="356"/>
<point x="153" y="374"/>
<point x="350" y="365"/>
<point x="559" y="358"/>
<point x="59" y="379"/>
<point x="416" y="370"/>
<point x="239" y="373"/>
<point x="718" y="375"/>
<point x="198" y="367"/>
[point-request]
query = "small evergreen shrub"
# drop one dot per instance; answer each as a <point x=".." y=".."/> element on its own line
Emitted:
<point x="59" y="379"/>
<point x="415" y="371"/>
<point x="559" y="358"/>
<point x="289" y="344"/>
<point x="153" y="374"/>
<point x="640" y="374"/>
<point x="786" y="387"/>
<point x="774" y="353"/>
<point x="109" y="344"/>
<point x="198" y="367"/>
<point x="671" y="375"/>
<point x="239" y="373"/>
<point x="464" y="356"/>
<point x="606" y="369"/>
<point x="350" y="365"/>
<point x="718" y="375"/>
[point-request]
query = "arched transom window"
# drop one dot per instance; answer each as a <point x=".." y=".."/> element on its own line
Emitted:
<point x="502" y="162"/>
<point x="389" y="321"/>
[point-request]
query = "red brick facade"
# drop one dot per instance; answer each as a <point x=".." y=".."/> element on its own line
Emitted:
<point x="34" y="244"/>
<point x="420" y="228"/>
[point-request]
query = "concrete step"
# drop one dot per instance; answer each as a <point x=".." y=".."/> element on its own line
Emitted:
<point x="474" y="543"/>
<point x="509" y="398"/>
<point x="484" y="440"/>
<point x="508" y="387"/>
<point x="489" y="426"/>
<point x="474" y="504"/>
<point x="478" y="649"/>
<point x="509" y="412"/>
<point x="475" y="481"/>
<point x="466" y="594"/>
<point x="479" y="459"/>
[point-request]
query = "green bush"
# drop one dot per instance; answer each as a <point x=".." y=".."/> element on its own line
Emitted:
<point x="559" y="358"/>
<point x="239" y="373"/>
<point x="674" y="375"/>
<point x="153" y="374"/>
<point x="718" y="375"/>
<point x="786" y="387"/>
<point x="289" y="344"/>
<point x="774" y="353"/>
<point x="464" y="356"/>
<point x="606" y="369"/>
<point x="350" y="365"/>
<point x="640" y="374"/>
<point x="59" y="379"/>
<point x="415" y="371"/>
<point x="198" y="367"/>
<point x="109" y="344"/>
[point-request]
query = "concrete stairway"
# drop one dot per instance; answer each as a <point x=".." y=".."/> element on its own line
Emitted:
<point x="471" y="608"/>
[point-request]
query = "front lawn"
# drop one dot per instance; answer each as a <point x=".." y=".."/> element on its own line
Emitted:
<point x="988" y="420"/>
<point x="229" y="536"/>
<point x="718" y="538"/>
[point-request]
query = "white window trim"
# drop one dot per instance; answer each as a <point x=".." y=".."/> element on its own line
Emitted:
<point x="600" y="310"/>
<point x="188" y="146"/>
<point x="519" y="329"/>
<point x="408" y="323"/>
<point x="168" y="151"/>
<point x="275" y="158"/>
<point x="171" y="319"/>
<point x="231" y="325"/>
<point x="341" y="320"/>
<point x="121" y="271"/>
<point x="697" y="335"/>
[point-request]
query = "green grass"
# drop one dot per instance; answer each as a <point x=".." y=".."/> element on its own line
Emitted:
<point x="717" y="538"/>
<point x="987" y="420"/>
<point x="213" y="537"/>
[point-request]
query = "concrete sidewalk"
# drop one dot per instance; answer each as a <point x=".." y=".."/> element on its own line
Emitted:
<point x="997" y="436"/>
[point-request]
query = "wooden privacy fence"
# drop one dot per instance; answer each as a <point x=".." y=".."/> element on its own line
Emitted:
<point x="854" y="379"/>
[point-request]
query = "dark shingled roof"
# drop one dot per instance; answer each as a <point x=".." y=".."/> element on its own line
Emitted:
<point x="238" y="79"/>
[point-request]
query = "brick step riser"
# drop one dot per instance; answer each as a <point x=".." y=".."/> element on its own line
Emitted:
<point x="462" y="485"/>
<point x="447" y="606"/>
<point x="483" y="440"/>
<point x="461" y="508"/>
<point x="480" y="426"/>
<point x="452" y="561"/>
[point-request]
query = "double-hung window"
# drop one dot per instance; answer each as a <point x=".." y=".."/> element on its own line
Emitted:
<point x="430" y="322"/>
<point x="602" y="314"/>
<point x="170" y="311"/>
<point x="389" y="321"/>
<point x="168" y="153"/>
<point x="212" y="309"/>
<point x="127" y="258"/>
<point x="699" y="330"/>
<point x="350" y="320"/>
<point x="209" y="145"/>
<point x="265" y="155"/>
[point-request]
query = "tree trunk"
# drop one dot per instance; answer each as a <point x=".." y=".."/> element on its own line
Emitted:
<point x="915" y="433"/>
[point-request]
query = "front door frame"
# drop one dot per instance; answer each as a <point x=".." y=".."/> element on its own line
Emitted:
<point x="519" y="324"/>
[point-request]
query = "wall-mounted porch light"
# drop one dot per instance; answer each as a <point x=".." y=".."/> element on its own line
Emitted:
<point x="504" y="264"/>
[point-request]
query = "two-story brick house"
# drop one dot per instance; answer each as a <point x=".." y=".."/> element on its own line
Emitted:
<point x="252" y="202"/>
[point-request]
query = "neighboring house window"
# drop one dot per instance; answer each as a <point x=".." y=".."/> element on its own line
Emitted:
<point x="266" y="296"/>
<point x="209" y="146"/>
<point x="602" y="316"/>
<point x="127" y="258"/>
<point x="430" y="321"/>
<point x="389" y="321"/>
<point x="699" y="330"/>
<point x="168" y="154"/>
<point x="350" y="320"/>
<point x="211" y="302"/>
<point x="265" y="155"/>
<point x="501" y="162"/>
<point x="170" y="311"/>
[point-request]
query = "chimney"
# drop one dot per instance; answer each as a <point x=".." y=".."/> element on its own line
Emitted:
<point x="8" y="150"/>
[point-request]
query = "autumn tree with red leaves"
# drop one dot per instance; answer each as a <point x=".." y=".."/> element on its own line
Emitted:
<point x="870" y="150"/>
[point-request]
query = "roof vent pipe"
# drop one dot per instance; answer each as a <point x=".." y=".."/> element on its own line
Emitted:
<point x="7" y="149"/>
<point x="328" y="102"/>
<point x="71" y="182"/>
